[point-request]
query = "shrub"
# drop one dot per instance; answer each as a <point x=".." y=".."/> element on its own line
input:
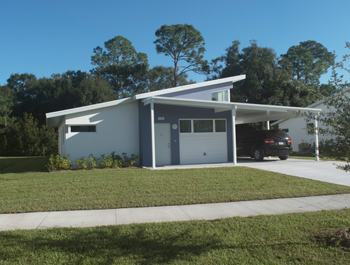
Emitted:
<point x="82" y="163"/>
<point x="57" y="162"/>
<point x="107" y="161"/>
<point x="130" y="161"/>
<point x="93" y="161"/>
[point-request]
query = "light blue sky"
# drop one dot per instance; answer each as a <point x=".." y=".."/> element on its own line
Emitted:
<point x="46" y="37"/>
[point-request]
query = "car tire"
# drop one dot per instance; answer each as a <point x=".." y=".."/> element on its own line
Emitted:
<point x="258" y="154"/>
<point x="283" y="157"/>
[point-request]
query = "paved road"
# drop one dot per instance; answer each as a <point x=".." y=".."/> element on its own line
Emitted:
<point x="44" y="220"/>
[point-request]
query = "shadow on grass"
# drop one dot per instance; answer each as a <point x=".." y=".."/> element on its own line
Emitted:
<point x="107" y="246"/>
<point x="23" y="164"/>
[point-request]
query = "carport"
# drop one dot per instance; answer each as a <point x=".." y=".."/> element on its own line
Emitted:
<point x="240" y="113"/>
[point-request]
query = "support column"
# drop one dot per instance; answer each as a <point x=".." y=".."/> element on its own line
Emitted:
<point x="268" y="128"/>
<point x="234" y="151"/>
<point x="316" y="140"/>
<point x="152" y="135"/>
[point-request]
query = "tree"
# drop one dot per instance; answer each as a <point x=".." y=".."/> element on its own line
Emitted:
<point x="25" y="137"/>
<point x="60" y="91"/>
<point x="336" y="122"/>
<point x="120" y="65"/>
<point x="308" y="61"/>
<point x="6" y="101"/>
<point x="266" y="82"/>
<point x="160" y="77"/>
<point x="182" y="43"/>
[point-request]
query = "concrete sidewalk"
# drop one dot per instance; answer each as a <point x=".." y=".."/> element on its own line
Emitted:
<point x="90" y="218"/>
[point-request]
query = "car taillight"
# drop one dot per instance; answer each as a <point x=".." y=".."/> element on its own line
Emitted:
<point x="289" y="140"/>
<point x="269" y="141"/>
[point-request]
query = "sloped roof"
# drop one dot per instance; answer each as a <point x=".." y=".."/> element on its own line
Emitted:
<point x="53" y="119"/>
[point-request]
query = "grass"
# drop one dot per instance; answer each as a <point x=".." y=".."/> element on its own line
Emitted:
<point x="280" y="239"/>
<point x="117" y="188"/>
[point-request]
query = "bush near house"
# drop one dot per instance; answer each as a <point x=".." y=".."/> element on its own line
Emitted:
<point x="112" y="161"/>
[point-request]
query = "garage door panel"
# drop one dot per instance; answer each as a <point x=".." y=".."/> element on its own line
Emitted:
<point x="203" y="148"/>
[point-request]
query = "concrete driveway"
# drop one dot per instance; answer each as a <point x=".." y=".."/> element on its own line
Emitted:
<point x="310" y="169"/>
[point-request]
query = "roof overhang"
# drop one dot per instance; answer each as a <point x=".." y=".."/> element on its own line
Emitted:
<point x="53" y="119"/>
<point x="245" y="112"/>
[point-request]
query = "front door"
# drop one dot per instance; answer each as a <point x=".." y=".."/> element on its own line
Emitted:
<point x="163" y="144"/>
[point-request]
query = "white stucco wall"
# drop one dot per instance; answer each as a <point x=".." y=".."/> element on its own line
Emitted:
<point x="298" y="129"/>
<point x="62" y="138"/>
<point x="117" y="129"/>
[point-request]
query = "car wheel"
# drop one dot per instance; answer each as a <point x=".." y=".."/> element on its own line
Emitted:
<point x="258" y="154"/>
<point x="283" y="157"/>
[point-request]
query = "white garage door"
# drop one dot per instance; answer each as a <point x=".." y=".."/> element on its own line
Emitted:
<point x="203" y="141"/>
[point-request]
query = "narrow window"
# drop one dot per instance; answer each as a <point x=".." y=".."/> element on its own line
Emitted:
<point x="220" y="125"/>
<point x="90" y="128"/>
<point x="185" y="126"/>
<point x="285" y="130"/>
<point x="202" y="126"/>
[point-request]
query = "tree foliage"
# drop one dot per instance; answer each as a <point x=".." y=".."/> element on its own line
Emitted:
<point x="160" y="77"/>
<point x="266" y="82"/>
<point x="6" y="102"/>
<point x="120" y="65"/>
<point x="60" y="91"/>
<point x="25" y="137"/>
<point x="336" y="121"/>
<point x="308" y="61"/>
<point x="183" y="44"/>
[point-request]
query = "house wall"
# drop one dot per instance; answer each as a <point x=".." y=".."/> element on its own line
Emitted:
<point x="298" y="129"/>
<point x="172" y="114"/>
<point x="62" y="138"/>
<point x="201" y="93"/>
<point x="117" y="129"/>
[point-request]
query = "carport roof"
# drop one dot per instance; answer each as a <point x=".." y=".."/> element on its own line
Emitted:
<point x="245" y="112"/>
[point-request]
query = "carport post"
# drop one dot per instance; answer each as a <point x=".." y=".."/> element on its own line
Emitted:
<point x="316" y="139"/>
<point x="268" y="128"/>
<point x="152" y="132"/>
<point x="234" y="151"/>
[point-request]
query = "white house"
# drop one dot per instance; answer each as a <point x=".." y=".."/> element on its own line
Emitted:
<point x="182" y="125"/>
<point x="297" y="128"/>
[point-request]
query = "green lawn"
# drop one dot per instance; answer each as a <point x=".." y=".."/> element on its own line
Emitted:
<point x="279" y="239"/>
<point x="116" y="188"/>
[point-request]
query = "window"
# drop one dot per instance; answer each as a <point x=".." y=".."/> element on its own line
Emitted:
<point x="200" y="126"/>
<point x="221" y="95"/>
<point x="285" y="130"/>
<point x="83" y="128"/>
<point x="220" y="125"/>
<point x="185" y="126"/>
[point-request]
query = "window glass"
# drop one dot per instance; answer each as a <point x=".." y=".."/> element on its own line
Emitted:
<point x="91" y="128"/>
<point x="220" y="96"/>
<point x="203" y="126"/>
<point x="220" y="126"/>
<point x="285" y="130"/>
<point x="185" y="126"/>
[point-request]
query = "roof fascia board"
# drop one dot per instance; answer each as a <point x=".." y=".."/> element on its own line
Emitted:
<point x="191" y="86"/>
<point x="226" y="105"/>
<point x="87" y="108"/>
